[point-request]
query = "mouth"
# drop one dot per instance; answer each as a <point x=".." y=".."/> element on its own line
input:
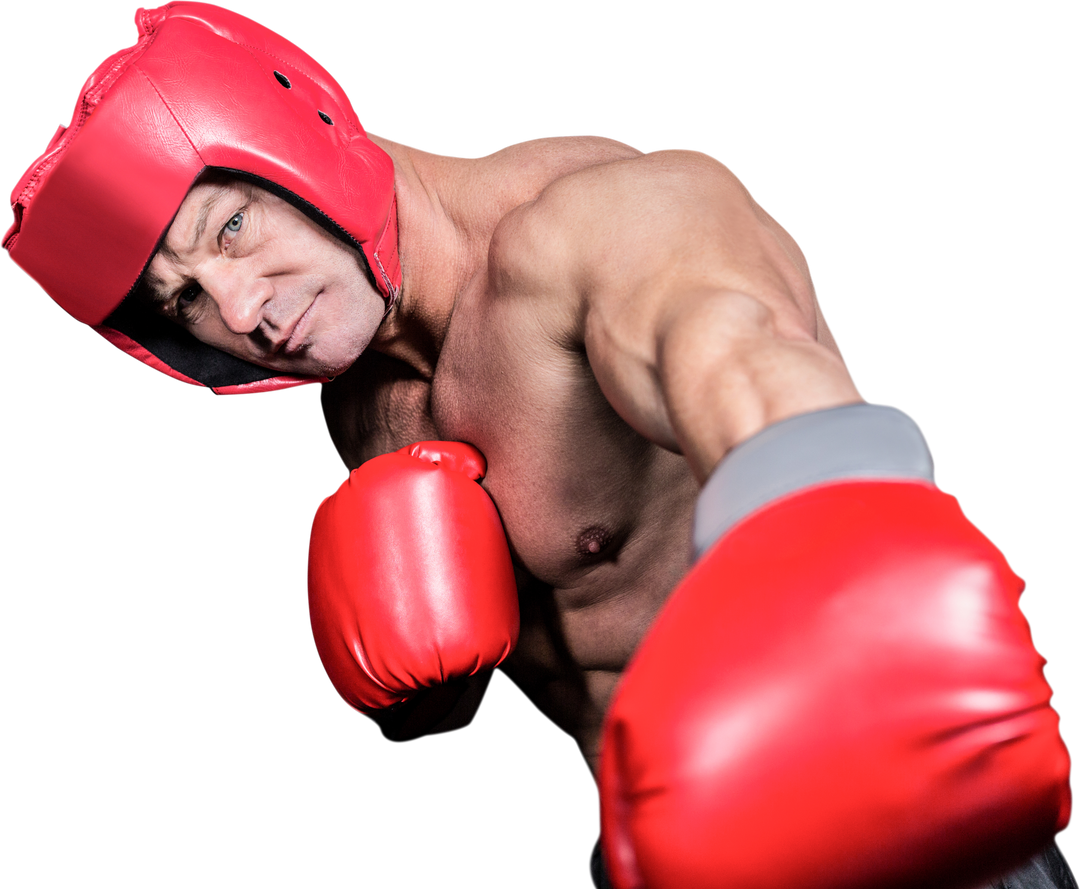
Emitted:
<point x="293" y="341"/>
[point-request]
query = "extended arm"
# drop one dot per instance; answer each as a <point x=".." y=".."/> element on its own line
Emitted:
<point x="699" y="317"/>
<point x="843" y="692"/>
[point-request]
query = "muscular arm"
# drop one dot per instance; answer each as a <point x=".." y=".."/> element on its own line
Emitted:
<point x="700" y="324"/>
<point x="695" y="308"/>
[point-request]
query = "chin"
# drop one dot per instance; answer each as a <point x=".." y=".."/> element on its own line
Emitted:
<point x="316" y="359"/>
<point x="329" y="365"/>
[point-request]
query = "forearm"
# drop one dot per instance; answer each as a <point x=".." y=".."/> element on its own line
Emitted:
<point x="728" y="366"/>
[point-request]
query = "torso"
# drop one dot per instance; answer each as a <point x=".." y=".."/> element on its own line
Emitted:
<point x="569" y="477"/>
<point x="597" y="517"/>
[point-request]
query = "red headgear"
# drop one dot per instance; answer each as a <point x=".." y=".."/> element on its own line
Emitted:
<point x="202" y="88"/>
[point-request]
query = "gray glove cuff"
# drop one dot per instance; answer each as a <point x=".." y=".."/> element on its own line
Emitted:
<point x="854" y="441"/>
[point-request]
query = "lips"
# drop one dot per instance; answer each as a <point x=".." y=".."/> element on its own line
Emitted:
<point x="294" y="339"/>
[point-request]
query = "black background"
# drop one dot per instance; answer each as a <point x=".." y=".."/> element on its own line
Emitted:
<point x="165" y="689"/>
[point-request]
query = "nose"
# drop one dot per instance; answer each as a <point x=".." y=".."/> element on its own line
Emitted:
<point x="240" y="296"/>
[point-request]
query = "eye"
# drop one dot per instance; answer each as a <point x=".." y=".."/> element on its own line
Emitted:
<point x="234" y="224"/>
<point x="186" y="301"/>
<point x="188" y="295"/>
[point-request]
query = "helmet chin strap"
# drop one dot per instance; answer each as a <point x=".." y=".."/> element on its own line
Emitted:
<point x="391" y="301"/>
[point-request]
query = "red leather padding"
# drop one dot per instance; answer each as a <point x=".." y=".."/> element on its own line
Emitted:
<point x="842" y="693"/>
<point x="410" y="582"/>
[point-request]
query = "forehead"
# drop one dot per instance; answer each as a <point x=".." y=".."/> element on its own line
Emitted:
<point x="198" y="205"/>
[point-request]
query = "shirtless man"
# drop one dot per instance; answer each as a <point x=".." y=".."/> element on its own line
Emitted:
<point x="643" y="311"/>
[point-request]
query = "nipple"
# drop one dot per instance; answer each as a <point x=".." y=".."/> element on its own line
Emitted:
<point x="593" y="541"/>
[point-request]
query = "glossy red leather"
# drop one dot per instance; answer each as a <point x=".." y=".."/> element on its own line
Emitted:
<point x="409" y="577"/>
<point x="842" y="693"/>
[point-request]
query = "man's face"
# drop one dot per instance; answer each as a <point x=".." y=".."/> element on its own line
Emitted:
<point x="248" y="273"/>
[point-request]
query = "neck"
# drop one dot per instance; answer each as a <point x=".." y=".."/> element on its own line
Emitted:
<point x="440" y="244"/>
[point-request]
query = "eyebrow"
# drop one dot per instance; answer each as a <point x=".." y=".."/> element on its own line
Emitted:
<point x="159" y="293"/>
<point x="208" y="206"/>
<point x="153" y="287"/>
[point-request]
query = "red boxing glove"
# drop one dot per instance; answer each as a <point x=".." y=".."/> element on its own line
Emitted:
<point x="842" y="693"/>
<point x="409" y="577"/>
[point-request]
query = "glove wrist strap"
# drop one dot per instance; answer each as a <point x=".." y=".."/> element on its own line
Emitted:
<point x="855" y="441"/>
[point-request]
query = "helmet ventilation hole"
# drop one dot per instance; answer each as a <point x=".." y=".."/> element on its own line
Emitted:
<point x="326" y="118"/>
<point x="283" y="80"/>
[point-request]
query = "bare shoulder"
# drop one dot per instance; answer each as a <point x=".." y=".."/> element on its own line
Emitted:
<point x="661" y="222"/>
<point x="670" y="199"/>
<point x="639" y="187"/>
<point x="546" y="160"/>
<point x="608" y="260"/>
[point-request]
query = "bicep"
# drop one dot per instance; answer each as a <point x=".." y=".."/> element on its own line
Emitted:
<point x="678" y="250"/>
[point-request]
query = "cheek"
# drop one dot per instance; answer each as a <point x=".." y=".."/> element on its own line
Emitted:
<point x="352" y="317"/>
<point x="214" y="333"/>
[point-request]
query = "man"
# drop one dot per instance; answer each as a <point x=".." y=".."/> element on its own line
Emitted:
<point x="804" y="353"/>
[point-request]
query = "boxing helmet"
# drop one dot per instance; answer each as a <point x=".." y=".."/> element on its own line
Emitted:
<point x="203" y="88"/>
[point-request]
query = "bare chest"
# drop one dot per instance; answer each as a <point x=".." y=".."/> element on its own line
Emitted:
<point x="597" y="516"/>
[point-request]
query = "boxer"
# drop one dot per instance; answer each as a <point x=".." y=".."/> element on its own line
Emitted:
<point x="564" y="342"/>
